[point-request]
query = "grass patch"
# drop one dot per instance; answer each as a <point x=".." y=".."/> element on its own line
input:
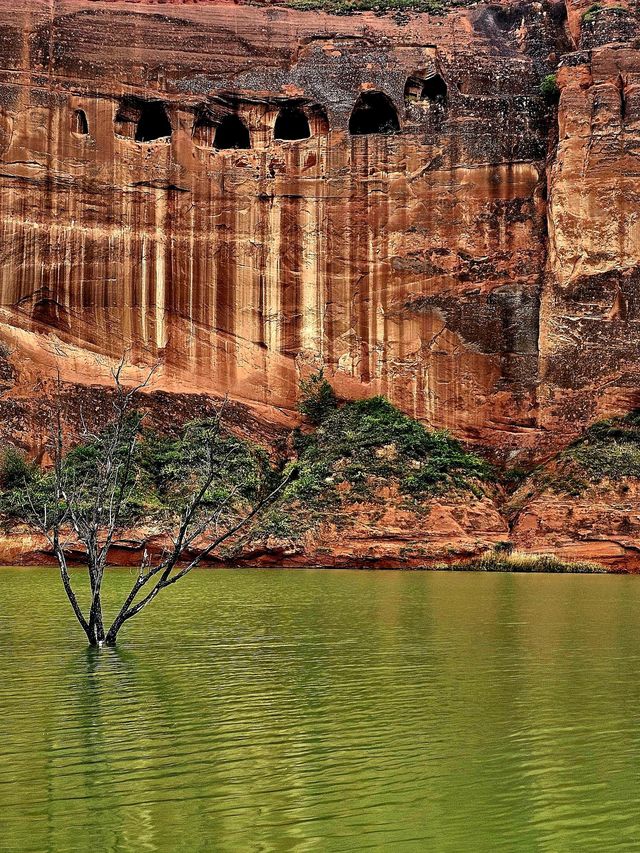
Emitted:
<point x="380" y="7"/>
<point x="517" y="561"/>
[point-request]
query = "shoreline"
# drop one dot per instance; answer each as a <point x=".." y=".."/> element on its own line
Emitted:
<point x="518" y="564"/>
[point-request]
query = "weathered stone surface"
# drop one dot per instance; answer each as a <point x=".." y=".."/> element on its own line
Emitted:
<point x="589" y="328"/>
<point x="479" y="265"/>
<point x="603" y="524"/>
<point x="409" y="264"/>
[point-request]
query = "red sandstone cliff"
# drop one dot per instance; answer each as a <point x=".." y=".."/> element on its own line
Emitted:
<point x="478" y="265"/>
<point x="409" y="263"/>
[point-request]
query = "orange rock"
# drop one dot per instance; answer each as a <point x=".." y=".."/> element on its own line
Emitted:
<point x="460" y="261"/>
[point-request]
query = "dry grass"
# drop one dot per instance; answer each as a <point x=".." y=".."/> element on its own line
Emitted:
<point x="519" y="561"/>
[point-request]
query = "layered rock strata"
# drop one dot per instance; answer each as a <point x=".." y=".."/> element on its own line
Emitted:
<point x="245" y="193"/>
<point x="408" y="262"/>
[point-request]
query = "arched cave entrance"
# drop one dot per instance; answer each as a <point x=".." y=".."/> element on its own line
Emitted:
<point x="144" y="121"/>
<point x="79" y="123"/>
<point x="291" y="123"/>
<point x="232" y="132"/>
<point x="432" y="89"/>
<point x="373" y="112"/>
<point x="153" y="123"/>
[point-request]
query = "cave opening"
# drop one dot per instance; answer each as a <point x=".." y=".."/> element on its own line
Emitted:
<point x="80" y="125"/>
<point x="232" y="132"/>
<point x="291" y="123"/>
<point x="373" y="112"/>
<point x="153" y="122"/>
<point x="432" y="89"/>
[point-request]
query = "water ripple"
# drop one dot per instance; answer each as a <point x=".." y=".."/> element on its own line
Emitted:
<point x="319" y="711"/>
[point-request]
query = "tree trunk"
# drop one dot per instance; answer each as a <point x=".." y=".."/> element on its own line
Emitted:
<point x="95" y="635"/>
<point x="110" y="639"/>
<point x="95" y="632"/>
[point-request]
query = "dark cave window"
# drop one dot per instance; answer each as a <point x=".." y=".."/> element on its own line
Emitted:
<point x="291" y="123"/>
<point x="80" y="125"/>
<point x="373" y="112"/>
<point x="232" y="132"/>
<point x="153" y="123"/>
<point x="432" y="89"/>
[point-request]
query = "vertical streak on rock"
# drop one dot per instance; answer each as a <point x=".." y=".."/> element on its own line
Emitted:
<point x="160" y="267"/>
<point x="311" y="284"/>
<point x="273" y="274"/>
<point x="290" y="249"/>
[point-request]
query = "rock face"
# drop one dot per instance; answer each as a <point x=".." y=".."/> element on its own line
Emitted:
<point x="410" y="260"/>
<point x="245" y="193"/>
<point x="590" y="335"/>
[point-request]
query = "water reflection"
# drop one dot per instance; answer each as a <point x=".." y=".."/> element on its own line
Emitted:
<point x="279" y="711"/>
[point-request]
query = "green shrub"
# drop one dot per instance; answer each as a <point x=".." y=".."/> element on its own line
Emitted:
<point x="317" y="398"/>
<point x="164" y="473"/>
<point x="372" y="439"/>
<point x="608" y="450"/>
<point x="15" y="471"/>
<point x="592" y="12"/>
<point x="549" y="89"/>
<point x="351" y="7"/>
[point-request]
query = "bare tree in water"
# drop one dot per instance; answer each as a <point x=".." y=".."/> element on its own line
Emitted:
<point x="89" y="508"/>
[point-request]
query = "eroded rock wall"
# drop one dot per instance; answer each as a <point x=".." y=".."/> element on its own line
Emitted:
<point x="410" y="264"/>
<point x="478" y="265"/>
<point x="590" y="329"/>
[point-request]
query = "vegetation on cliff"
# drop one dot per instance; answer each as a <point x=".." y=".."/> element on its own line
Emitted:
<point x="596" y="9"/>
<point x="371" y="438"/>
<point x="549" y="88"/>
<point x="351" y="452"/>
<point x="585" y="495"/>
<point x="381" y="7"/>
<point x="163" y="473"/>
<point x="608" y="451"/>
<point x="361" y="456"/>
<point x="360" y="449"/>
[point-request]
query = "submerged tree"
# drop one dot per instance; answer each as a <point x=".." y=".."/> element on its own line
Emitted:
<point x="209" y="496"/>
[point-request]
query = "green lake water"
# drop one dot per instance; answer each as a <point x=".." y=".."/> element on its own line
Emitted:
<point x="325" y="711"/>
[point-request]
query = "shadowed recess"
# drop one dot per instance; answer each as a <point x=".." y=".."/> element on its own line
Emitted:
<point x="291" y="123"/>
<point x="80" y="124"/>
<point x="373" y="112"/>
<point x="144" y="121"/>
<point x="153" y="123"/>
<point x="432" y="89"/>
<point x="232" y="132"/>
